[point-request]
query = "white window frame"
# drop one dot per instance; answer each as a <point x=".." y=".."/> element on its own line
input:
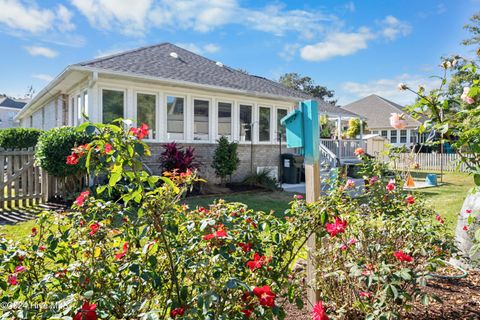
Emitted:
<point x="157" y="111"/>
<point x="276" y="121"/>
<point x="270" y="133"/>
<point x="252" y="130"/>
<point x="113" y="89"/>
<point x="210" y="118"/>
<point x="165" y="120"/>
<point x="232" y="118"/>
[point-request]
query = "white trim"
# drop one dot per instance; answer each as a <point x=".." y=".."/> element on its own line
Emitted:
<point x="209" y="100"/>
<point x="167" y="94"/>
<point x="135" y="112"/>
<point x="270" y="129"/>
<point x="124" y="91"/>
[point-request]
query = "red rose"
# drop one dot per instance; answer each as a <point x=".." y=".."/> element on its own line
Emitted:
<point x="402" y="256"/>
<point x="12" y="280"/>
<point x="122" y="253"/>
<point x="108" y="148"/>
<point x="359" y="151"/>
<point x="319" y="312"/>
<point x="337" y="227"/>
<point x="177" y="312"/>
<point x="257" y="262"/>
<point x="87" y="312"/>
<point x="81" y="198"/>
<point x="410" y="199"/>
<point x="94" y="228"/>
<point x="247" y="313"/>
<point x="246" y="247"/>
<point x="265" y="296"/>
<point x="439" y="219"/>
<point x="34" y="232"/>
<point x="72" y="159"/>
<point x="391" y="185"/>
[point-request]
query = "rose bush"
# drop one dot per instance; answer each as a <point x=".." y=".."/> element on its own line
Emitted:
<point x="145" y="255"/>
<point x="380" y="249"/>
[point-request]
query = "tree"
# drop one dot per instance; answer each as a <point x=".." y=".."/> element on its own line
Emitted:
<point x="307" y="85"/>
<point x="225" y="159"/>
<point x="474" y="28"/>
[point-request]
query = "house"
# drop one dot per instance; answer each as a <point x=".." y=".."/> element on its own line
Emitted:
<point x="182" y="96"/>
<point x="9" y="107"/>
<point x="377" y="111"/>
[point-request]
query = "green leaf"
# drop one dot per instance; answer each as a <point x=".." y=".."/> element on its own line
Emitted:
<point x="476" y="179"/>
<point x="88" y="295"/>
<point x="140" y="149"/>
<point x="90" y="129"/>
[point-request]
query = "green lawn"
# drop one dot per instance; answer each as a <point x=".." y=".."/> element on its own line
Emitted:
<point x="447" y="199"/>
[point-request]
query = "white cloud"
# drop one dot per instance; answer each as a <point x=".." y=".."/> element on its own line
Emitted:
<point x="125" y="15"/>
<point x="289" y="51"/>
<point x="44" y="77"/>
<point x="337" y="44"/>
<point x="209" y="48"/>
<point x="41" y="51"/>
<point x="26" y="16"/>
<point x="393" y="28"/>
<point x="386" y="88"/>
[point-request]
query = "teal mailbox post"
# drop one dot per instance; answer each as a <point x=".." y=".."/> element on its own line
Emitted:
<point x="303" y="131"/>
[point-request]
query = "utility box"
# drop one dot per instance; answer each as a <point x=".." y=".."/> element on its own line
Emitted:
<point x="293" y="123"/>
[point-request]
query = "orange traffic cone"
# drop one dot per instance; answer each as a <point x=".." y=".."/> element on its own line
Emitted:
<point x="410" y="182"/>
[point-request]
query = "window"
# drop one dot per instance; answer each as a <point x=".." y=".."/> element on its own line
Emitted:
<point x="79" y="109"/>
<point x="413" y="136"/>
<point x="146" y="112"/>
<point x="264" y="124"/>
<point x="384" y="133"/>
<point x="245" y="123"/>
<point x="200" y="119"/>
<point x="85" y="103"/>
<point x="175" y="117"/>
<point x="113" y="105"/>
<point x="280" y="129"/>
<point x="375" y="132"/>
<point x="393" y="136"/>
<point x="224" y="119"/>
<point x="72" y="109"/>
<point x="403" y="136"/>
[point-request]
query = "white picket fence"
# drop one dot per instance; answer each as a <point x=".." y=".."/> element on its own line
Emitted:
<point x="429" y="162"/>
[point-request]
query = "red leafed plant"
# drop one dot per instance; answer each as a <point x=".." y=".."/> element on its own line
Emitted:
<point x="175" y="157"/>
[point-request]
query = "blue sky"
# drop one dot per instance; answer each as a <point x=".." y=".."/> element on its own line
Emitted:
<point x="354" y="47"/>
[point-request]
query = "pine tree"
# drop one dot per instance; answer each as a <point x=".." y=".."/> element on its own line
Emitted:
<point x="225" y="159"/>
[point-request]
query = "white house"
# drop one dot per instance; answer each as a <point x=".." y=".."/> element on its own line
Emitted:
<point x="182" y="96"/>
<point x="9" y="107"/>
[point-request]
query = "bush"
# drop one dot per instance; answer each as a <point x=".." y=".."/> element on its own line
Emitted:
<point x="19" y="138"/>
<point x="175" y="158"/>
<point x="225" y="158"/>
<point x="262" y="179"/>
<point x="153" y="257"/>
<point x="53" y="148"/>
<point x="380" y="251"/>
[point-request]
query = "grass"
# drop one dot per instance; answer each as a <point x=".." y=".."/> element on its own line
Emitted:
<point x="448" y="198"/>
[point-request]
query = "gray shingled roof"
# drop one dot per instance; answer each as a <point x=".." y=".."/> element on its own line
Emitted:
<point x="11" y="103"/>
<point x="378" y="110"/>
<point x="155" y="61"/>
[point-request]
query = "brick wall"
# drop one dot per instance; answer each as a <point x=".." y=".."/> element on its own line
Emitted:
<point x="263" y="156"/>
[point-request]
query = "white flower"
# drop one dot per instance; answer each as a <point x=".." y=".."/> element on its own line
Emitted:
<point x="465" y="96"/>
<point x="402" y="86"/>
<point x="446" y="64"/>
<point x="398" y="121"/>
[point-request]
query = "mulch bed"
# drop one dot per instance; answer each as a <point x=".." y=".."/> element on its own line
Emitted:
<point x="461" y="301"/>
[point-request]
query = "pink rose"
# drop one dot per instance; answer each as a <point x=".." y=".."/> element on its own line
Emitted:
<point x="465" y="96"/>
<point x="398" y="121"/>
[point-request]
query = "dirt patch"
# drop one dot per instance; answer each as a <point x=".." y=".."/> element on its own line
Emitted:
<point x="460" y="301"/>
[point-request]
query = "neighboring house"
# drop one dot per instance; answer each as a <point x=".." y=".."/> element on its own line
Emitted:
<point x="377" y="111"/>
<point x="182" y="96"/>
<point x="9" y="107"/>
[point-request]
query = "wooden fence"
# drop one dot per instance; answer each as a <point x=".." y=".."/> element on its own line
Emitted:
<point x="429" y="162"/>
<point x="23" y="183"/>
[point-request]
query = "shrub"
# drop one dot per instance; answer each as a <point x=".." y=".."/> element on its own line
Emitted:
<point x="53" y="148"/>
<point x="174" y="157"/>
<point x="380" y="251"/>
<point x="19" y="138"/>
<point x="262" y="179"/>
<point x="153" y="257"/>
<point x="354" y="128"/>
<point x="225" y="158"/>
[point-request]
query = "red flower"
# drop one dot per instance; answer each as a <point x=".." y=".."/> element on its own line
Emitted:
<point x="359" y="151"/>
<point x="218" y="234"/>
<point x="468" y="211"/>
<point x="402" y="256"/>
<point x="298" y="196"/>
<point x="337" y="227"/>
<point x="34" y="232"/>
<point x="81" y="198"/>
<point x="12" y="280"/>
<point x="87" y="312"/>
<point x="344" y="247"/>
<point x="391" y="185"/>
<point x="108" y="148"/>
<point x="350" y="184"/>
<point x="42" y="248"/>
<point x="372" y="180"/>
<point x="177" y="312"/>
<point x="365" y="294"/>
<point x="247" y="313"/>
<point x="257" y="262"/>
<point x="410" y="199"/>
<point x="352" y="241"/>
<point x="439" y="219"/>
<point x="465" y="228"/>
<point x="246" y="247"/>
<point x="265" y="296"/>
<point x="72" y="159"/>
<point x="122" y="253"/>
<point x="140" y="132"/>
<point x="94" y="228"/>
<point x="253" y="224"/>
<point x="319" y="312"/>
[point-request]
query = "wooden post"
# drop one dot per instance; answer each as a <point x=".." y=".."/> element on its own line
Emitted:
<point x="311" y="132"/>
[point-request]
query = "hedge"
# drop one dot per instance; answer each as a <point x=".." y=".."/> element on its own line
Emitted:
<point x="19" y="138"/>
